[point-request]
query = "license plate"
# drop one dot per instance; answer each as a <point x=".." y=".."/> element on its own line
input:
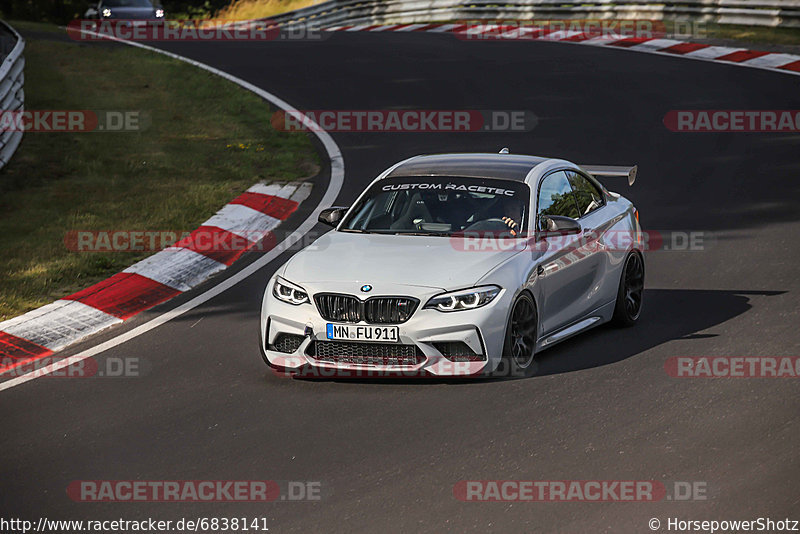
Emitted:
<point x="343" y="332"/>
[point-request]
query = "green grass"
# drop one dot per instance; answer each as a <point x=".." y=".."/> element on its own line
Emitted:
<point x="207" y="141"/>
<point x="26" y="25"/>
<point x="747" y="34"/>
<point x="256" y="9"/>
<point x="755" y="34"/>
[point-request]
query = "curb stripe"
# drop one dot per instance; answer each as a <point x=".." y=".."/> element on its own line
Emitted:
<point x="217" y="244"/>
<point x="563" y="35"/>
<point x="443" y="28"/>
<point x="713" y="52"/>
<point x="242" y="220"/>
<point x="59" y="323"/>
<point x="655" y="44"/>
<point x="793" y="66"/>
<point x="776" y="62"/>
<point x="629" y="42"/>
<point x="603" y="40"/>
<point x="579" y="38"/>
<point x="16" y="351"/>
<point x="771" y="60"/>
<point x="685" y="48"/>
<point x="124" y="295"/>
<point x="178" y="268"/>
<point x="236" y="228"/>
<point x="301" y="193"/>
<point x="267" y="189"/>
<point x="277" y="207"/>
<point x="742" y="55"/>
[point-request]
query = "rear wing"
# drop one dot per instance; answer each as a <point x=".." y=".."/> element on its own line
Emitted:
<point x="613" y="171"/>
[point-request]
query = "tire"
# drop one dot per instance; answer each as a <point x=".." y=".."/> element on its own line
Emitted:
<point x="631" y="291"/>
<point x="520" y="344"/>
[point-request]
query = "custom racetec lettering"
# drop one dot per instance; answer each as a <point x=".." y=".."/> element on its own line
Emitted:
<point x="441" y="205"/>
<point x="451" y="187"/>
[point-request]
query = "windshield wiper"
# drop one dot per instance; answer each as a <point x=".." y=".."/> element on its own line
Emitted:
<point x="435" y="234"/>
<point x="392" y="232"/>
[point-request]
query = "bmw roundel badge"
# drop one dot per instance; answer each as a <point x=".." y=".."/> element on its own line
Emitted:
<point x="366" y="288"/>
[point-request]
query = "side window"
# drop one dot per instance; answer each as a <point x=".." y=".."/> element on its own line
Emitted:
<point x="556" y="196"/>
<point x="587" y="195"/>
<point x="375" y="210"/>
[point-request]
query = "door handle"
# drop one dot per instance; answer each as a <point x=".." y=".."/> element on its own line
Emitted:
<point x="540" y="270"/>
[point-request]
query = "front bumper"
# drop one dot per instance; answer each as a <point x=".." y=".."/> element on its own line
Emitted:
<point x="429" y="331"/>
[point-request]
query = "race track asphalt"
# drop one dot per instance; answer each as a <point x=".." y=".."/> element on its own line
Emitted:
<point x="602" y="406"/>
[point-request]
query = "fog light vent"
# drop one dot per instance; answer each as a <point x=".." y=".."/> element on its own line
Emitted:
<point x="458" y="351"/>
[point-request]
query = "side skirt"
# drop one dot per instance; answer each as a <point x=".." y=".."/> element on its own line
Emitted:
<point x="594" y="318"/>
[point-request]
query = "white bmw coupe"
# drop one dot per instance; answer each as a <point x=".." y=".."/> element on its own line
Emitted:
<point x="457" y="265"/>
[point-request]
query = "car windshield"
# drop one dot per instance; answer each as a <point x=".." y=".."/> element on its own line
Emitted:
<point x="127" y="3"/>
<point x="441" y="205"/>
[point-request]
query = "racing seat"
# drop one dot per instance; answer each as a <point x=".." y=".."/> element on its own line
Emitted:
<point x="415" y="209"/>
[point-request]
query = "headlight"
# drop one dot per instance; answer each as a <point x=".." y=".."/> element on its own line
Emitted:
<point x="106" y="12"/>
<point x="159" y="13"/>
<point x="466" y="299"/>
<point x="288" y="292"/>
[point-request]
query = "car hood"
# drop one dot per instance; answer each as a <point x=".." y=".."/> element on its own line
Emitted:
<point x="133" y="13"/>
<point x="350" y="259"/>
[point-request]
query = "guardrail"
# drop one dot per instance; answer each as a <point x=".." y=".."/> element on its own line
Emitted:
<point x="745" y="12"/>
<point x="12" y="93"/>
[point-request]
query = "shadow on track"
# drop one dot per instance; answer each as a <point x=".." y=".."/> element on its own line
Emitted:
<point x="668" y="314"/>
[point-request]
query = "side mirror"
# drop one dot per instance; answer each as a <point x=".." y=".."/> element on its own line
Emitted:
<point x="558" y="225"/>
<point x="332" y="216"/>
